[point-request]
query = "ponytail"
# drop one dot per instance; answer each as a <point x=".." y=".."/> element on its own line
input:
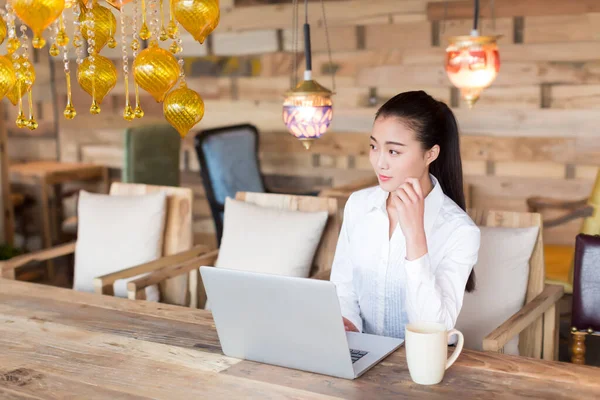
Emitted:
<point x="434" y="123"/>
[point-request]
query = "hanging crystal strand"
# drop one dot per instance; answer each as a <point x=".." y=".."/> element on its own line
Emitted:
<point x="28" y="82"/>
<point x="135" y="45"/>
<point x="144" y="32"/>
<point x="128" y="113"/>
<point x="77" y="38"/>
<point x="172" y="27"/>
<point x="69" y="112"/>
<point x="163" y="32"/>
<point x="154" y="23"/>
<point x="13" y="43"/>
<point x="95" y="108"/>
<point x="180" y="61"/>
<point x="61" y="37"/>
<point x="54" y="50"/>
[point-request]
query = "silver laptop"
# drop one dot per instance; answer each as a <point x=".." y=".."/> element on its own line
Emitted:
<point x="290" y="322"/>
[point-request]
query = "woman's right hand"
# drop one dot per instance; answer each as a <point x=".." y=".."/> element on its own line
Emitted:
<point x="349" y="326"/>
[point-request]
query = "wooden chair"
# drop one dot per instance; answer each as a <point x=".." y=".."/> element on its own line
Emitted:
<point x="323" y="256"/>
<point x="537" y="322"/>
<point x="177" y="245"/>
<point x="559" y="258"/>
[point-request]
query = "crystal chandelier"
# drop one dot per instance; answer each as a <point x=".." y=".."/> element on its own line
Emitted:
<point x="308" y="107"/>
<point x="472" y="62"/>
<point x="157" y="70"/>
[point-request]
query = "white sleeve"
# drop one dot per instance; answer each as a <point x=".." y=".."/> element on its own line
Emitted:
<point x="438" y="297"/>
<point x="342" y="274"/>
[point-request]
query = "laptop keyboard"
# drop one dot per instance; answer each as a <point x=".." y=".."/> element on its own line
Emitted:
<point x="357" y="355"/>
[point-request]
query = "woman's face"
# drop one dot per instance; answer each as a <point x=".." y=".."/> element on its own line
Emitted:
<point x="396" y="154"/>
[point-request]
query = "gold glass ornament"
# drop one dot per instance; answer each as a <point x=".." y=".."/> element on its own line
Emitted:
<point x="12" y="45"/>
<point x="105" y="25"/>
<point x="31" y="122"/>
<point x="54" y="51"/>
<point x="183" y="108"/>
<point x="7" y="75"/>
<point x="97" y="81"/>
<point x="198" y="17"/>
<point x="3" y="30"/>
<point x="156" y="71"/>
<point x="38" y="15"/>
<point x="25" y="79"/>
<point x="139" y="113"/>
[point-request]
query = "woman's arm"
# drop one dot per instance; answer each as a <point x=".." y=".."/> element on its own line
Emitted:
<point x="342" y="273"/>
<point x="438" y="297"/>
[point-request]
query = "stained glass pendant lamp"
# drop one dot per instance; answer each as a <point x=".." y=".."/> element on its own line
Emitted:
<point x="308" y="107"/>
<point x="472" y="62"/>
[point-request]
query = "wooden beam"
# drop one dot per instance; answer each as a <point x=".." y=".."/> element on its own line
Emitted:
<point x="437" y="11"/>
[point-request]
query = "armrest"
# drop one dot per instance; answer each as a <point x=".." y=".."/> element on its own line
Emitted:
<point x="8" y="268"/>
<point x="529" y="314"/>
<point x="104" y="284"/>
<point x="139" y="285"/>
<point x="538" y="203"/>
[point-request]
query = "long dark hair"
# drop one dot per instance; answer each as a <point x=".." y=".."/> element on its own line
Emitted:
<point x="433" y="123"/>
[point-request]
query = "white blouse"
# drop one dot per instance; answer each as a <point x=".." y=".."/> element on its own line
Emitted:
<point x="379" y="290"/>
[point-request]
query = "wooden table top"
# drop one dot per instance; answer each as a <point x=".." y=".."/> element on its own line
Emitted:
<point x="58" y="343"/>
<point x="55" y="170"/>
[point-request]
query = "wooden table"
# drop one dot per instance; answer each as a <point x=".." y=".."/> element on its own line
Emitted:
<point x="58" y="343"/>
<point x="43" y="174"/>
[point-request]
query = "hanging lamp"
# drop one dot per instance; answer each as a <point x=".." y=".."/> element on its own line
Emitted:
<point x="308" y="107"/>
<point x="473" y="61"/>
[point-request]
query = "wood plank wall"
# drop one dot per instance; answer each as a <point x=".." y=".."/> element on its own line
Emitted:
<point x="534" y="132"/>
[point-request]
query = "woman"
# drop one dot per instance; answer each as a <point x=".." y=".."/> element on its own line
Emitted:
<point x="407" y="247"/>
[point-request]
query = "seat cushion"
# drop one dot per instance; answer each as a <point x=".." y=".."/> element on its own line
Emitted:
<point x="116" y="233"/>
<point x="502" y="273"/>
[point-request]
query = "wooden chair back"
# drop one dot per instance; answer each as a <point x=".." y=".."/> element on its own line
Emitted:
<point x="178" y="235"/>
<point x="326" y="250"/>
<point x="531" y="339"/>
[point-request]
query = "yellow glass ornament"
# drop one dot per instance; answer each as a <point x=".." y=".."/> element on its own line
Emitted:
<point x="183" y="108"/>
<point x="156" y="71"/>
<point x="25" y="75"/>
<point x="97" y="82"/>
<point x="54" y="51"/>
<point x="38" y="15"/>
<point x="3" y="30"/>
<point x="12" y="45"/>
<point x="105" y="24"/>
<point x="198" y="17"/>
<point x="70" y="111"/>
<point x="7" y="75"/>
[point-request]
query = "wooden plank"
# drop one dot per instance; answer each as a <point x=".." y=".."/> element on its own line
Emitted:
<point x="509" y="8"/>
<point x="503" y="27"/>
<point x="498" y="97"/>
<point x="397" y="36"/>
<point x="244" y="43"/>
<point x="31" y="148"/>
<point x="279" y="16"/>
<point x="341" y="38"/>
<point x="562" y="28"/>
<point x="530" y="169"/>
<point x="110" y="156"/>
<point x="535" y="52"/>
<point x="403" y="75"/>
<point x="586" y="171"/>
<point x="575" y="96"/>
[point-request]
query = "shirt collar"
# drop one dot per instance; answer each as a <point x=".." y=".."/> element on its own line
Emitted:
<point x="433" y="202"/>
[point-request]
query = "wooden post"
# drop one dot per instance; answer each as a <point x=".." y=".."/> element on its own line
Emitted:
<point x="7" y="222"/>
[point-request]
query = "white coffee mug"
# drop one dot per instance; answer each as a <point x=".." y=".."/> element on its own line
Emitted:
<point x="426" y="346"/>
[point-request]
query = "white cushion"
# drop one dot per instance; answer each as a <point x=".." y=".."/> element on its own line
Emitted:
<point x="502" y="275"/>
<point x="269" y="240"/>
<point x="116" y="233"/>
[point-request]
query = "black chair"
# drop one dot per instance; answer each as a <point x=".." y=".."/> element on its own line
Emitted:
<point x="229" y="164"/>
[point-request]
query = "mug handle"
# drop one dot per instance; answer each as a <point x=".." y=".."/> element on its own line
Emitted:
<point x="459" y="347"/>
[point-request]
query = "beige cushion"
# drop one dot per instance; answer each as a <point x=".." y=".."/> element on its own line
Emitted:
<point x="269" y="240"/>
<point x="502" y="273"/>
<point x="115" y="233"/>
